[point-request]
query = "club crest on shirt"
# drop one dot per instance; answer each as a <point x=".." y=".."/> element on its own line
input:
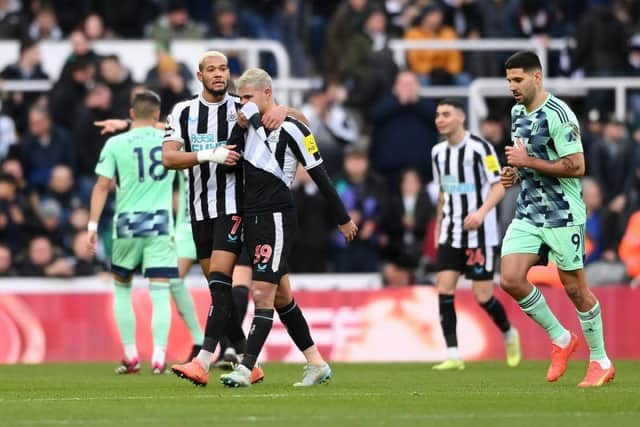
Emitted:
<point x="274" y="136"/>
<point x="232" y="116"/>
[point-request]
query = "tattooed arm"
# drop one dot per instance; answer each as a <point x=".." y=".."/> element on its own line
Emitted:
<point x="571" y="166"/>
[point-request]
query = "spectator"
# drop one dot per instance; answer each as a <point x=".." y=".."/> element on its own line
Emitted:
<point x="71" y="90"/>
<point x="84" y="263"/>
<point x="45" y="25"/>
<point x="27" y="68"/>
<point x="119" y="81"/>
<point x="536" y="18"/>
<point x="81" y="50"/>
<point x="163" y="57"/>
<point x="591" y="134"/>
<point x="366" y="67"/>
<point x="346" y="22"/>
<point x="12" y="217"/>
<point x="592" y="196"/>
<point x="310" y="253"/>
<point x="51" y="222"/>
<point x="435" y="67"/>
<point x="11" y="23"/>
<point x="333" y="126"/>
<point x="403" y="131"/>
<point x="629" y="249"/>
<point x="633" y="70"/>
<point x="61" y="189"/>
<point x="6" y="262"/>
<point x="43" y="260"/>
<point x="79" y="218"/>
<point x="226" y="26"/>
<point x="175" y="23"/>
<point x="611" y="166"/>
<point x="69" y="13"/>
<point x="404" y="229"/>
<point x="171" y="86"/>
<point x="601" y="50"/>
<point x="93" y="27"/>
<point x="97" y="106"/>
<point x="8" y="135"/>
<point x="43" y="147"/>
<point x="364" y="195"/>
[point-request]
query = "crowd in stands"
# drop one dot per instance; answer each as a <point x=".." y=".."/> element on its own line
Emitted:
<point x="374" y="130"/>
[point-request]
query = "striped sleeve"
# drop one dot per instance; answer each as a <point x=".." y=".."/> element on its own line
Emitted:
<point x="302" y="143"/>
<point x="173" y="130"/>
<point x="564" y="129"/>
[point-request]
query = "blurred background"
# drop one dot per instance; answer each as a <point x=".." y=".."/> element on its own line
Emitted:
<point x="366" y="73"/>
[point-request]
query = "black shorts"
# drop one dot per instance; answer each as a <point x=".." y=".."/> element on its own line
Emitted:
<point x="218" y="234"/>
<point x="474" y="263"/>
<point x="269" y="238"/>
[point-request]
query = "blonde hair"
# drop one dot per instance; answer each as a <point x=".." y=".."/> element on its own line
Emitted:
<point x="256" y="77"/>
<point x="212" y="54"/>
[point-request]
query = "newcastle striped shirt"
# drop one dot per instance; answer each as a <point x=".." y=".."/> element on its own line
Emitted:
<point x="464" y="173"/>
<point x="201" y="125"/>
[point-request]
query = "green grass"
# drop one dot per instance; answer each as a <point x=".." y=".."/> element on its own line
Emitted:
<point x="485" y="394"/>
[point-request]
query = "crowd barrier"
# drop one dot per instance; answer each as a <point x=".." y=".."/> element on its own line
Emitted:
<point x="349" y="326"/>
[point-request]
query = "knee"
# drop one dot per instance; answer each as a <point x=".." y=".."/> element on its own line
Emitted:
<point x="511" y="281"/>
<point x="482" y="295"/>
<point x="262" y="298"/>
<point x="573" y="291"/>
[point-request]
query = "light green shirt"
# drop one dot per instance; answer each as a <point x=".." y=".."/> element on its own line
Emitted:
<point x="144" y="192"/>
<point x="549" y="132"/>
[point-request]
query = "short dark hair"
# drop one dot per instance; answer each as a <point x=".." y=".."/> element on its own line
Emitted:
<point x="452" y="102"/>
<point x="524" y="59"/>
<point x="145" y="104"/>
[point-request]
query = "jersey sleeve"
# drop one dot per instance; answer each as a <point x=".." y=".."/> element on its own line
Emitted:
<point x="303" y="144"/>
<point x="490" y="164"/>
<point x="172" y="130"/>
<point x="106" y="165"/>
<point x="435" y="167"/>
<point x="565" y="133"/>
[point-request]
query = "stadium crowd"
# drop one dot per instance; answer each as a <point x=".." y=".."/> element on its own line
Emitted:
<point x="373" y="129"/>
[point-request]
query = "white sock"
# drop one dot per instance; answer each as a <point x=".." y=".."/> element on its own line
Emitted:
<point x="158" y="355"/>
<point x="453" y="353"/>
<point x="204" y="357"/>
<point x="510" y="334"/>
<point x="604" y="363"/>
<point x="130" y="352"/>
<point x="563" y="340"/>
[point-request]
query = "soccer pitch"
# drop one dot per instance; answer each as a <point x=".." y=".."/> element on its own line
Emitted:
<point x="398" y="394"/>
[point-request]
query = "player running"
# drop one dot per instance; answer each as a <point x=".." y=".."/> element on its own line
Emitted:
<point x="270" y="159"/>
<point x="143" y="226"/>
<point x="547" y="158"/>
<point x="468" y="174"/>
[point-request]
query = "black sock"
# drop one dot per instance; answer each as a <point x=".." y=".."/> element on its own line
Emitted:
<point x="235" y="334"/>
<point x="448" y="319"/>
<point x="497" y="313"/>
<point x="220" y="310"/>
<point x="240" y="300"/>
<point x="262" y="322"/>
<point x="292" y="318"/>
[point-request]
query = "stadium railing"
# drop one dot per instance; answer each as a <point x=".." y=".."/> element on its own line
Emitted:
<point x="539" y="45"/>
<point x="481" y="88"/>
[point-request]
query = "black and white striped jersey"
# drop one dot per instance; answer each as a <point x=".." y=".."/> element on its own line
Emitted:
<point x="201" y="125"/>
<point x="270" y="162"/>
<point x="464" y="173"/>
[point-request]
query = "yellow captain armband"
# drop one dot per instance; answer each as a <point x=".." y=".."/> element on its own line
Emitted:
<point x="310" y="143"/>
<point x="491" y="163"/>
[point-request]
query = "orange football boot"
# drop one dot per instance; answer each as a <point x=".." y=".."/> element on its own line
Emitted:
<point x="559" y="358"/>
<point x="192" y="371"/>
<point x="596" y="376"/>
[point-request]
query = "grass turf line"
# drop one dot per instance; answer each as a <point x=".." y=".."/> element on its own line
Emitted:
<point x="396" y="394"/>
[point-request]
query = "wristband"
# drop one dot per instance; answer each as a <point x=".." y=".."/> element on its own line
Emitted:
<point x="92" y="226"/>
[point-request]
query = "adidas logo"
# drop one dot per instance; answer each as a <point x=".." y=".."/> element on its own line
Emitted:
<point x="576" y="259"/>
